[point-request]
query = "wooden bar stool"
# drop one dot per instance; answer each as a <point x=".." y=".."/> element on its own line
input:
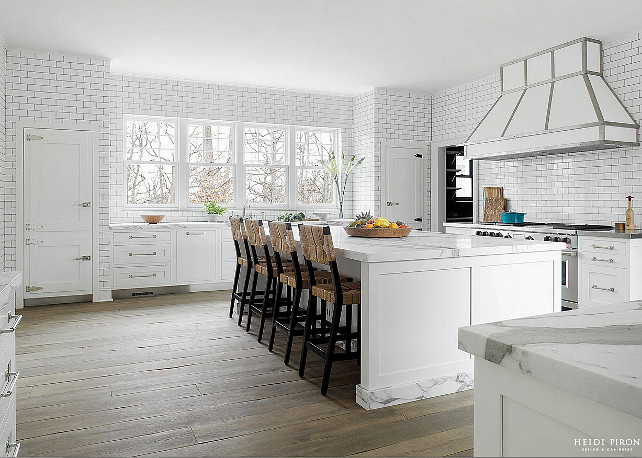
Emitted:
<point x="247" y="261"/>
<point x="239" y="240"/>
<point x="317" y="247"/>
<point x="262" y="266"/>
<point x="296" y="278"/>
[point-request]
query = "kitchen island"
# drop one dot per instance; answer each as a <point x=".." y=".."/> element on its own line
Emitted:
<point x="417" y="291"/>
<point x="564" y="384"/>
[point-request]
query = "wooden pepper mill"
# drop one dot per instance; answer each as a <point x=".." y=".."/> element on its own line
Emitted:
<point x="630" y="217"/>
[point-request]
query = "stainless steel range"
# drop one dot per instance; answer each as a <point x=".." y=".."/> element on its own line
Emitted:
<point x="553" y="232"/>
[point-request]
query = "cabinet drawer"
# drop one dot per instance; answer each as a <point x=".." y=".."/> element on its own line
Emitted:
<point x="137" y="255"/>
<point x="604" y="259"/>
<point x="8" y="442"/>
<point x="135" y="277"/>
<point x="603" y="245"/>
<point x="603" y="286"/>
<point x="121" y="238"/>
<point x="228" y="260"/>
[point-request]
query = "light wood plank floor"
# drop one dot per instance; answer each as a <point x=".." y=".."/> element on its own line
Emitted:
<point x="174" y="375"/>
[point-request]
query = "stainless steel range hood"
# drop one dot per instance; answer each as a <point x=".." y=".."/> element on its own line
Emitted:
<point x="553" y="101"/>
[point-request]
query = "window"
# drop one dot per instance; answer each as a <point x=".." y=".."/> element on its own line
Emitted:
<point x="314" y="182"/>
<point x="181" y="164"/>
<point x="266" y="171"/>
<point x="151" y="162"/>
<point x="210" y="163"/>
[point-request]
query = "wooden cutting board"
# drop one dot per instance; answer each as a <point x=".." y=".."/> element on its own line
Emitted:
<point x="497" y="191"/>
<point x="493" y="206"/>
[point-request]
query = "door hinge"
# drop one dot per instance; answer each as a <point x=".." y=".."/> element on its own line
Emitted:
<point x="32" y="242"/>
<point x="31" y="289"/>
<point x="32" y="227"/>
<point x="83" y="258"/>
<point x="419" y="155"/>
<point x="31" y="137"/>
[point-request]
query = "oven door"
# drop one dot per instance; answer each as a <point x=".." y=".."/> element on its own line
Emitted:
<point x="569" y="278"/>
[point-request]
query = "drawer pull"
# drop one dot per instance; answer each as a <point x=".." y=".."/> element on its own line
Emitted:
<point x="11" y="384"/>
<point x="610" y="247"/>
<point x="142" y="236"/>
<point x="15" y="324"/>
<point x="142" y="276"/>
<point x="153" y="253"/>
<point x="611" y="290"/>
<point x="602" y="260"/>
<point x="194" y="233"/>
<point x="15" y="446"/>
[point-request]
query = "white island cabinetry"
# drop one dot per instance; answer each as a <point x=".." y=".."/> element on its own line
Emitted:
<point x="172" y="254"/>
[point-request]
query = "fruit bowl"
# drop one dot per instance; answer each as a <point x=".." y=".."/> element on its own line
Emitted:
<point x="152" y="219"/>
<point x="377" y="232"/>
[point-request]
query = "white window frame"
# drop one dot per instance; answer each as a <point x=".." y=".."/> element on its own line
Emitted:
<point x="296" y="204"/>
<point x="184" y="159"/>
<point x="238" y="166"/>
<point x="176" y="164"/>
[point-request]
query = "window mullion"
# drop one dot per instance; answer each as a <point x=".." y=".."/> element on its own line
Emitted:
<point x="292" y="172"/>
<point x="239" y="158"/>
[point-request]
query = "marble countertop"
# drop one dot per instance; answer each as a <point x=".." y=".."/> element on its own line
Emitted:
<point x="165" y="226"/>
<point x="595" y="352"/>
<point x="9" y="283"/>
<point x="637" y="234"/>
<point x="430" y="245"/>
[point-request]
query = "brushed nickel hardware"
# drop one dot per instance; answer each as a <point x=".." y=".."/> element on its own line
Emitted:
<point x="10" y="317"/>
<point x="32" y="242"/>
<point x="32" y="227"/>
<point x="419" y="219"/>
<point x="611" y="290"/>
<point x="153" y="253"/>
<point x="389" y="204"/>
<point x="602" y="260"/>
<point x="82" y="258"/>
<point x="142" y="236"/>
<point x="195" y="233"/>
<point x="32" y="289"/>
<point x="84" y="204"/>
<point x="15" y="446"/>
<point x="610" y="247"/>
<point x="569" y="253"/>
<point x="419" y="155"/>
<point x="11" y="385"/>
<point x="396" y="203"/>
<point x="32" y="137"/>
<point x="141" y="276"/>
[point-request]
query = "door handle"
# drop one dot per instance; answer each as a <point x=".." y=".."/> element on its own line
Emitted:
<point x="389" y="204"/>
<point x="8" y="391"/>
<point x="194" y="233"/>
<point x="141" y="276"/>
<point x="153" y="253"/>
<point x="84" y="204"/>
<point x="13" y="327"/>
<point x="142" y="236"/>
<point x="611" y="290"/>
<point x="82" y="258"/>
<point x="419" y="219"/>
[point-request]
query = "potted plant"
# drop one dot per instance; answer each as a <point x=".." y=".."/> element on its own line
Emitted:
<point x="338" y="168"/>
<point x="215" y="211"/>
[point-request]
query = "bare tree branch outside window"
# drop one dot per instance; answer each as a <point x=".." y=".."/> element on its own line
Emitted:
<point x="211" y="163"/>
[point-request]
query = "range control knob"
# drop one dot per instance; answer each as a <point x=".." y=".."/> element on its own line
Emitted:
<point x="528" y="237"/>
<point x="484" y="233"/>
<point x="567" y="240"/>
<point x="547" y="238"/>
<point x="508" y="236"/>
<point x="498" y="234"/>
<point x="556" y="239"/>
<point x="478" y="233"/>
<point x="491" y="234"/>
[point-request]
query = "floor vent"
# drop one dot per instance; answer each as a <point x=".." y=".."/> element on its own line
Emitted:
<point x="143" y="293"/>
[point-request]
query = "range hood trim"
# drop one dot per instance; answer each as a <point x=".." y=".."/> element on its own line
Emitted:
<point x="592" y="142"/>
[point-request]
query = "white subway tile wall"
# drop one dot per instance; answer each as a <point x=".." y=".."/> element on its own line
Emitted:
<point x="3" y="86"/>
<point x="381" y="115"/>
<point x="133" y="95"/>
<point x="61" y="88"/>
<point x="587" y="187"/>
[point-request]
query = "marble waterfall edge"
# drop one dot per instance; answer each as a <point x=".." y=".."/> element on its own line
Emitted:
<point x="390" y="396"/>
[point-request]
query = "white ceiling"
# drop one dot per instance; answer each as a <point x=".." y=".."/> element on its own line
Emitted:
<point x="336" y="46"/>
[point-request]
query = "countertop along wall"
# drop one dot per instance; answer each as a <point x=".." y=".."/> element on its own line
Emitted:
<point x="587" y="187"/>
<point x="3" y="88"/>
<point x="134" y="95"/>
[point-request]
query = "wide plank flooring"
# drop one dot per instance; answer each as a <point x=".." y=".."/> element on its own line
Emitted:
<point x="174" y="375"/>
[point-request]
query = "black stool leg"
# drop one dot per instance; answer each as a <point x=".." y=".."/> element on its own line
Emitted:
<point x="324" y="311"/>
<point x="255" y="279"/>
<point x="332" y="340"/>
<point x="348" y="340"/>
<point x="276" y="312"/>
<point x="270" y="288"/>
<point x="246" y="284"/>
<point x="309" y="318"/>
<point x="237" y="274"/>
<point x="293" y="321"/>
<point x="359" y="334"/>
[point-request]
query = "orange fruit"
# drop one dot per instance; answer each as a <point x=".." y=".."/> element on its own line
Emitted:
<point x="394" y="226"/>
<point x="368" y="226"/>
<point x="403" y="226"/>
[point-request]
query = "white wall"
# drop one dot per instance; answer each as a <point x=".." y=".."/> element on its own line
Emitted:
<point x="55" y="87"/>
<point x="568" y="187"/>
<point x="133" y="95"/>
<point x="3" y="85"/>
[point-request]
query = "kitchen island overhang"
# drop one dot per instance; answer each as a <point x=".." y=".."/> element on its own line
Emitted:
<point x="418" y="290"/>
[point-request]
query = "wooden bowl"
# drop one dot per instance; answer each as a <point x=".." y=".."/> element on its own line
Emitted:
<point x="153" y="219"/>
<point x="377" y="232"/>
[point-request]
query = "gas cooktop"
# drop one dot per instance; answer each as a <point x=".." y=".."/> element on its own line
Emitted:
<point x="570" y="227"/>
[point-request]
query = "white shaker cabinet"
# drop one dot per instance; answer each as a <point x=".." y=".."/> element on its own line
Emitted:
<point x="197" y="256"/>
<point x="609" y="270"/>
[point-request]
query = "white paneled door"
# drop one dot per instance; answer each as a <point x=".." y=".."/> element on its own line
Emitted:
<point x="403" y="185"/>
<point x="57" y="212"/>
